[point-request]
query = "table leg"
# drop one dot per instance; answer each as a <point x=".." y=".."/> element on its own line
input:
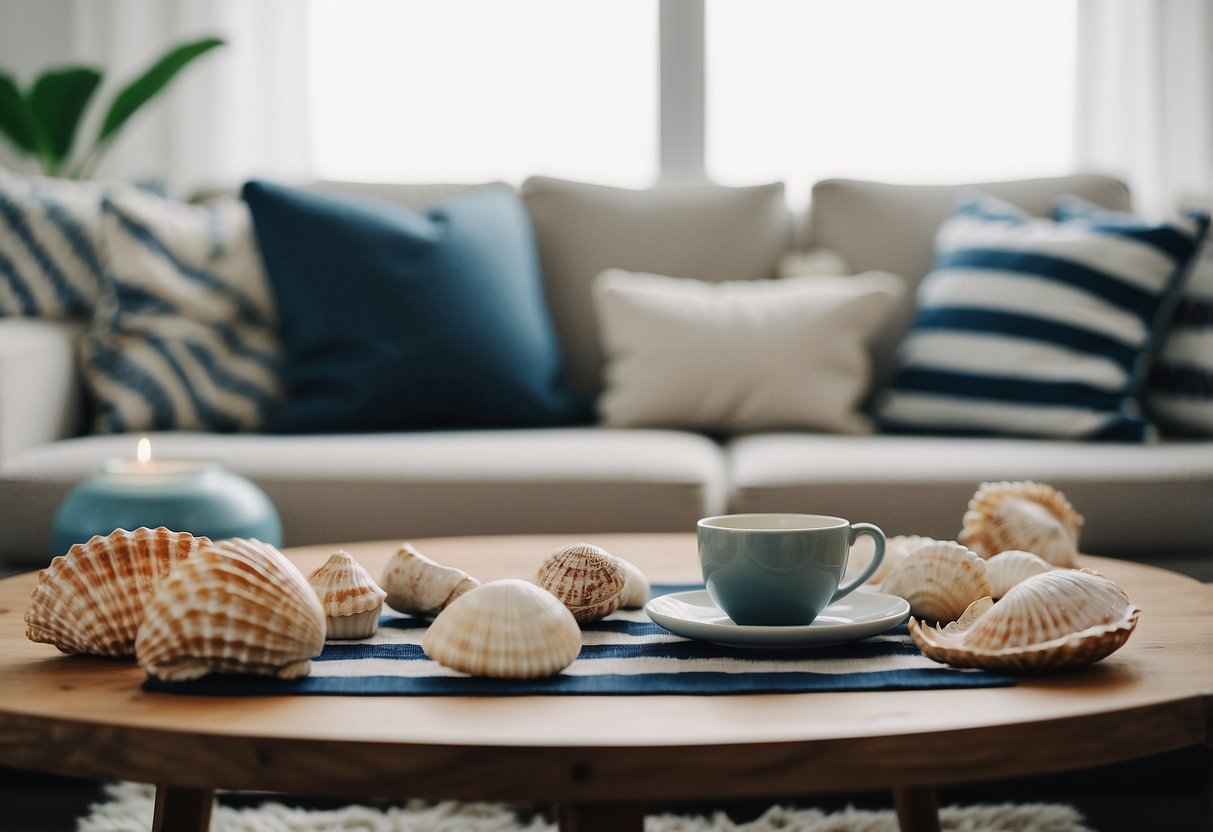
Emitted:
<point x="600" y="817"/>
<point x="917" y="808"/>
<point x="182" y="810"/>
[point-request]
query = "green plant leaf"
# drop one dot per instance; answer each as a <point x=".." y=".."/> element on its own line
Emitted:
<point x="58" y="100"/>
<point x="17" y="120"/>
<point x="145" y="87"/>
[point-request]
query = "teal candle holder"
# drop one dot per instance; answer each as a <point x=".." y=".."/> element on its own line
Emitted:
<point x="201" y="498"/>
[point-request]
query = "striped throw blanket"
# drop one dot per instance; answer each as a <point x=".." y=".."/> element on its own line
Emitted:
<point x="625" y="653"/>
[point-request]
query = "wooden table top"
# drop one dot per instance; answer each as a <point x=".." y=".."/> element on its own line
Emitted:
<point x="88" y="716"/>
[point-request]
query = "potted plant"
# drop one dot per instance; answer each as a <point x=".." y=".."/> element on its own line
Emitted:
<point x="43" y="121"/>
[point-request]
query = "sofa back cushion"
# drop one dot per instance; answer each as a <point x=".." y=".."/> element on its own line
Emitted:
<point x="882" y="227"/>
<point x="698" y="231"/>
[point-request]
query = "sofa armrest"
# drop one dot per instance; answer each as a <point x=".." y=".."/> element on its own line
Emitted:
<point x="41" y="388"/>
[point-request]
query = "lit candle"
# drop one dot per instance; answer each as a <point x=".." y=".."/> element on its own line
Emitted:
<point x="184" y="495"/>
<point x="147" y="470"/>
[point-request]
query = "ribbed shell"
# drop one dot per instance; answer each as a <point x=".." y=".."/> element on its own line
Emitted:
<point x="939" y="580"/>
<point x="237" y="606"/>
<point x="349" y="595"/>
<point x="1006" y="569"/>
<point x="585" y="578"/>
<point x="1057" y="619"/>
<point x="419" y="586"/>
<point x="509" y="629"/>
<point x="636" y="586"/>
<point x="1029" y="516"/>
<point x="896" y="549"/>
<point x="92" y="599"/>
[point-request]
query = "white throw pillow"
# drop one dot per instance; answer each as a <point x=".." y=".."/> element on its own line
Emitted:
<point x="186" y="331"/>
<point x="739" y="355"/>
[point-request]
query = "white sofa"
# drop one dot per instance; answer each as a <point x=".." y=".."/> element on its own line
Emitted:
<point x="1152" y="502"/>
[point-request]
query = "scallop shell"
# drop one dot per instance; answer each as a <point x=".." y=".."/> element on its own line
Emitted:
<point x="419" y="586"/>
<point x="1029" y="516"/>
<point x="1008" y="568"/>
<point x="939" y="580"/>
<point x="237" y="606"/>
<point x="1057" y="619"/>
<point x="350" y="597"/>
<point x="510" y="629"/>
<point x="636" y="586"/>
<point x="586" y="579"/>
<point x="92" y="599"/>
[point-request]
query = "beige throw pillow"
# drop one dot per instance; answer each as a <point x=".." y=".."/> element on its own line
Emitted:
<point x="739" y="355"/>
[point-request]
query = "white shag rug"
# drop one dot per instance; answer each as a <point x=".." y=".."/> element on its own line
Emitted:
<point x="129" y="809"/>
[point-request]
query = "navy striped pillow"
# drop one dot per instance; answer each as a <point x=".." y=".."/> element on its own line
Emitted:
<point x="50" y="265"/>
<point x="1035" y="327"/>
<point x="186" y="331"/>
<point x="1179" y="393"/>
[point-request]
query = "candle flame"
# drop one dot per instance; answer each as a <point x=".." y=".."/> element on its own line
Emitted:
<point x="143" y="451"/>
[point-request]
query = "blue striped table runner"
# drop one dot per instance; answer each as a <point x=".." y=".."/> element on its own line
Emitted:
<point x="625" y="653"/>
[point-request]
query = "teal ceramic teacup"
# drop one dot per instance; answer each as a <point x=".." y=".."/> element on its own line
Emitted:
<point x="780" y="569"/>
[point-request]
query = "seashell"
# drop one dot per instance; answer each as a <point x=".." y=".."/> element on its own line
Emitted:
<point x="586" y="579"/>
<point x="636" y="587"/>
<point x="1029" y="516"/>
<point x="349" y="595"/>
<point x="939" y="580"/>
<point x="237" y="606"/>
<point x="92" y="599"/>
<point x="1057" y="619"/>
<point x="897" y="549"/>
<point x="419" y="586"/>
<point x="1008" y="568"/>
<point x="510" y="629"/>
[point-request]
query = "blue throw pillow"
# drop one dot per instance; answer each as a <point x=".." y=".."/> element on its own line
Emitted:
<point x="1036" y="327"/>
<point x="395" y="320"/>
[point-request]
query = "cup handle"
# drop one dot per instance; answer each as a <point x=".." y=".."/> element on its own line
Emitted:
<point x="859" y="530"/>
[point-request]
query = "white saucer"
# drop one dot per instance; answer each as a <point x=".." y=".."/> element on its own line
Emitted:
<point x="861" y="614"/>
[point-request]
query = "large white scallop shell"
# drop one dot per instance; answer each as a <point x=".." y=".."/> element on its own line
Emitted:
<point x="92" y="599"/>
<point x="509" y="629"/>
<point x="939" y="580"/>
<point x="1008" y="568"/>
<point x="350" y="597"/>
<point x="419" y="586"/>
<point x="586" y="578"/>
<point x="1029" y="516"/>
<point x="237" y="606"/>
<point x="1061" y="618"/>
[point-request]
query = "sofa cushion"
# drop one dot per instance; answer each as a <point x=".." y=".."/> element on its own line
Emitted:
<point x="1179" y="392"/>
<point x="50" y="250"/>
<point x="891" y="228"/>
<point x="702" y="231"/>
<point x="347" y="487"/>
<point x="186" y="331"/>
<point x="395" y="320"/>
<point x="1035" y="327"/>
<point x="1137" y="499"/>
<point x="739" y="355"/>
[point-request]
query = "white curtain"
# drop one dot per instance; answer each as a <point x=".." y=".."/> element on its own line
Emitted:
<point x="1144" y="98"/>
<point x="239" y="111"/>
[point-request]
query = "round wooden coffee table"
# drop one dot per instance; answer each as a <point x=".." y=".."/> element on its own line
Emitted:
<point x="601" y="758"/>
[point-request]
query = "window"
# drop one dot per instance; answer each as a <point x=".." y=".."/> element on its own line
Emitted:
<point x="478" y="90"/>
<point x="940" y="91"/>
<point x="474" y="90"/>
